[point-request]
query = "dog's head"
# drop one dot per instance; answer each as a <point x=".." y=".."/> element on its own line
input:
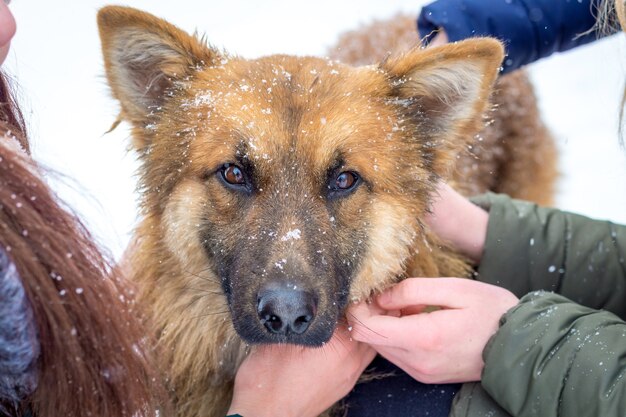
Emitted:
<point x="297" y="182"/>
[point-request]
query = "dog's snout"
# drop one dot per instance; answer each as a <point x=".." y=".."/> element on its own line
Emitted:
<point x="284" y="311"/>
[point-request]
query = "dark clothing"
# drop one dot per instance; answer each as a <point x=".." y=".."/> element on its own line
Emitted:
<point x="530" y="29"/>
<point x="398" y="395"/>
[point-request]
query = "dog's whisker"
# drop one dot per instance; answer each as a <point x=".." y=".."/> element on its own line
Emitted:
<point x="325" y="348"/>
<point x="193" y="301"/>
<point x="208" y="268"/>
<point x="201" y="290"/>
<point x="343" y="345"/>
<point x="358" y="332"/>
<point x="364" y="326"/>
<point x="213" y="313"/>
<point x="197" y="275"/>
<point x="196" y="299"/>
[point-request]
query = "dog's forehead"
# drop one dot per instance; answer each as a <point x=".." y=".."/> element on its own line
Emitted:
<point x="278" y="104"/>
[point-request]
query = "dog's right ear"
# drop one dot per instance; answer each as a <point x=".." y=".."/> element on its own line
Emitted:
<point x="445" y="90"/>
<point x="143" y="56"/>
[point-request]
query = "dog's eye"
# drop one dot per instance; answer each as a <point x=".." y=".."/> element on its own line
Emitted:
<point x="232" y="174"/>
<point x="343" y="184"/>
<point x="346" y="180"/>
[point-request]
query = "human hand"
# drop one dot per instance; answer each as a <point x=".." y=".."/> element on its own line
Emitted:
<point x="296" y="381"/>
<point x="459" y="222"/>
<point x="442" y="346"/>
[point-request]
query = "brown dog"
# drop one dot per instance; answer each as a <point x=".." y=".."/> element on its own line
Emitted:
<point x="275" y="190"/>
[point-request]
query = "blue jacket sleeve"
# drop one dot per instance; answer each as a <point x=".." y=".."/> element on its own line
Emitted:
<point x="530" y="29"/>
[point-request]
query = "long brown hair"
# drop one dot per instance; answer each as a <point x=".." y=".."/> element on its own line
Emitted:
<point x="94" y="359"/>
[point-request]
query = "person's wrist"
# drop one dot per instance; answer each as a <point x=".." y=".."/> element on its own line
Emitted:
<point x="476" y="233"/>
<point x="459" y="222"/>
<point x="240" y="410"/>
<point x="253" y="412"/>
<point x="263" y="409"/>
<point x="253" y="409"/>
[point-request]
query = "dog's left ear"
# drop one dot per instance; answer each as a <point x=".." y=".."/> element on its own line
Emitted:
<point x="445" y="90"/>
<point x="144" y="56"/>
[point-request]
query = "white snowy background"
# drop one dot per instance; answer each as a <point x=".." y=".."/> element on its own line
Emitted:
<point x="56" y="58"/>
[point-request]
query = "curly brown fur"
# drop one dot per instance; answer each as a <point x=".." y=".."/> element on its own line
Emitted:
<point x="514" y="153"/>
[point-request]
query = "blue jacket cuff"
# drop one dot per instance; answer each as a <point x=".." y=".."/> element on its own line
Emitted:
<point x="529" y="29"/>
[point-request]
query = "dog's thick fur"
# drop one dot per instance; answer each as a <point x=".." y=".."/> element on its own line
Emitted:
<point x="514" y="154"/>
<point x="301" y="174"/>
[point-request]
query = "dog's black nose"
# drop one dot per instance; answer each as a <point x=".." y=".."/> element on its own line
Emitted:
<point x="286" y="310"/>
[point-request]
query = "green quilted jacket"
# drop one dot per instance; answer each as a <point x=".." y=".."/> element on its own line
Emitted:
<point x="562" y="350"/>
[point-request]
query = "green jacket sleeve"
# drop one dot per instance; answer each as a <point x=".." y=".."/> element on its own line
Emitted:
<point x="531" y="248"/>
<point x="554" y="357"/>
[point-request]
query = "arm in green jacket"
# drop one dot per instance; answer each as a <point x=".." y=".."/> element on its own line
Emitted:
<point x="531" y="248"/>
<point x="555" y="356"/>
